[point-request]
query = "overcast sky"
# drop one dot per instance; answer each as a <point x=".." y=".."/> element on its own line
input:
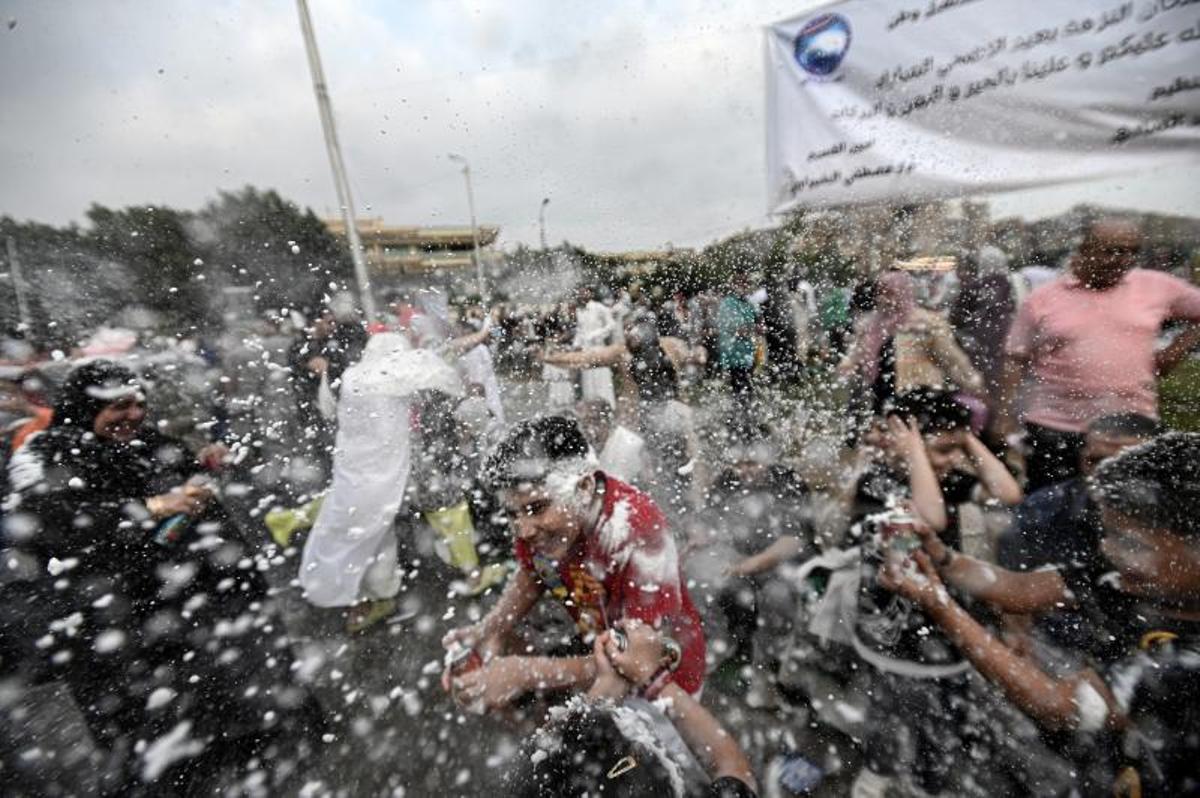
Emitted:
<point x="642" y="121"/>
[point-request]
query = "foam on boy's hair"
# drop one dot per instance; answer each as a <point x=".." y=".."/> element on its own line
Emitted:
<point x="594" y="748"/>
<point x="1156" y="483"/>
<point x="535" y="449"/>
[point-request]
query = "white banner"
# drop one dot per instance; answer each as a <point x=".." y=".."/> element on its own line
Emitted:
<point x="903" y="100"/>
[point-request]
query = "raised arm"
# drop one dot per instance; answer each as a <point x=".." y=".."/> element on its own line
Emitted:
<point x="1011" y="375"/>
<point x="598" y="357"/>
<point x="992" y="473"/>
<point x="922" y="482"/>
<point x="466" y="343"/>
<point x="680" y="354"/>
<point x="953" y="361"/>
<point x="782" y="549"/>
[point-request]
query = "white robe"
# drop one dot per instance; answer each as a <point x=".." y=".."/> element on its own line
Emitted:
<point x="560" y="393"/>
<point x="350" y="555"/>
<point x="594" y="326"/>
<point x="478" y="367"/>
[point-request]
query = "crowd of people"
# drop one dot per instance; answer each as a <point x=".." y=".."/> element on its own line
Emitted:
<point x="992" y="586"/>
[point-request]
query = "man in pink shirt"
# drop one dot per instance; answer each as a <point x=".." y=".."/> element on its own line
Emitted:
<point x="1086" y="340"/>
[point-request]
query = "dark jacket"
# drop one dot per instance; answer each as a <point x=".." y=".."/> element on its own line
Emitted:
<point x="149" y="631"/>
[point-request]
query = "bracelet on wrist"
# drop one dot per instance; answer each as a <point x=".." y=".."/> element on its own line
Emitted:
<point x="672" y="654"/>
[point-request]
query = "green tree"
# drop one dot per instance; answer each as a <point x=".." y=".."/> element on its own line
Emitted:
<point x="154" y="245"/>
<point x="70" y="288"/>
<point x="258" y="239"/>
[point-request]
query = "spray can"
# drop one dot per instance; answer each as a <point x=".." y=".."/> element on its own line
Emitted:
<point x="461" y="659"/>
<point x="899" y="530"/>
<point x="171" y="531"/>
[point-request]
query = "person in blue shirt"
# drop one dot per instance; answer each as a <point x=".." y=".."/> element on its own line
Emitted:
<point x="737" y="324"/>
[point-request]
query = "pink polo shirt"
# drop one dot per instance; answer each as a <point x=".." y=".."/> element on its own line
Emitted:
<point x="1091" y="353"/>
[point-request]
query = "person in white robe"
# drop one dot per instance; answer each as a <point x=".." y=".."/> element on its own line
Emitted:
<point x="594" y="325"/>
<point x="350" y="555"/>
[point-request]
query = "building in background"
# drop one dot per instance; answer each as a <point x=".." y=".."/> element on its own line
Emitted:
<point x="409" y="257"/>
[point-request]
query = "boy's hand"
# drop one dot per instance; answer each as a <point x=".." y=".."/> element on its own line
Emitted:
<point x="939" y="553"/>
<point x="643" y="655"/>
<point x="904" y="437"/>
<point x="608" y="683"/>
<point x="213" y="456"/>
<point x="494" y="685"/>
<point x="469" y="637"/>
<point x="917" y="580"/>
<point x="187" y="499"/>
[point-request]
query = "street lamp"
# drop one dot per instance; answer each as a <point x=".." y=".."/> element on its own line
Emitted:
<point x="474" y="228"/>
<point x="542" y="221"/>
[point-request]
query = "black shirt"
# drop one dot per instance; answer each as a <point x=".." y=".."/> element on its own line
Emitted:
<point x="891" y="632"/>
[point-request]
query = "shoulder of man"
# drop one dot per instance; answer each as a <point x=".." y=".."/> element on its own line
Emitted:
<point x="1048" y="290"/>
<point x="635" y="511"/>
<point x="1161" y="281"/>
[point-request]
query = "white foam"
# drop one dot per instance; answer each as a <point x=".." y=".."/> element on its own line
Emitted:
<point x="1093" y="709"/>
<point x="615" y="532"/>
<point x="172" y="747"/>
<point x="160" y="698"/>
<point x="109" y="640"/>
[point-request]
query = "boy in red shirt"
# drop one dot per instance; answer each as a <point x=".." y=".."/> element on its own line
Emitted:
<point x="598" y="545"/>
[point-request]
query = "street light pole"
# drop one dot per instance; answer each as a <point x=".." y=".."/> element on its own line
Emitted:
<point x="542" y="221"/>
<point x="18" y="281"/>
<point x="474" y="227"/>
<point x="345" y="198"/>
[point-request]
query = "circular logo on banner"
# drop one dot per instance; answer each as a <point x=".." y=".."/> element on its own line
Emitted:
<point x="822" y="44"/>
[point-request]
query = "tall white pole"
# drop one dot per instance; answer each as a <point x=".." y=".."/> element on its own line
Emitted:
<point x="345" y="198"/>
<point x="474" y="227"/>
<point x="18" y="281"/>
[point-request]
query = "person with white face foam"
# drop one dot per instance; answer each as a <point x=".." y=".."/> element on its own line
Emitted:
<point x="586" y="539"/>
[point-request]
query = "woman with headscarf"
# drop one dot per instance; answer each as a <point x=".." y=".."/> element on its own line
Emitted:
<point x="900" y="347"/>
<point x="127" y="582"/>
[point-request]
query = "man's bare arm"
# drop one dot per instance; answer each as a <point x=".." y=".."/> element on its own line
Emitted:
<point x="520" y="594"/>
<point x="706" y="738"/>
<point x="680" y="354"/>
<point x="1078" y="700"/>
<point x="1175" y="352"/>
<point x="1018" y="592"/>
<point x="1054" y="703"/>
<point x="598" y="357"/>
<point x="782" y="549"/>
